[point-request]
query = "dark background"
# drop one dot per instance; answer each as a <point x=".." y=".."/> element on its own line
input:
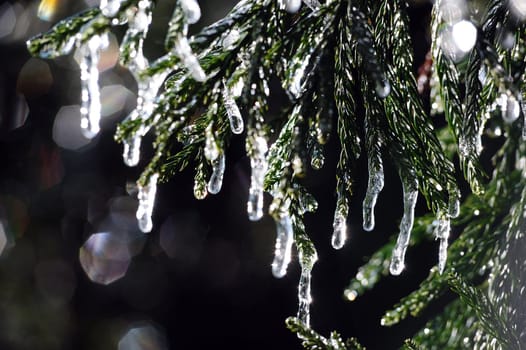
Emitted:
<point x="202" y="278"/>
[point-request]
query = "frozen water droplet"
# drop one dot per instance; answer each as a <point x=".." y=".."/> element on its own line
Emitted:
<point x="304" y="296"/>
<point x="374" y="186"/>
<point x="132" y="150"/>
<point x="184" y="52"/>
<point x="259" y="165"/>
<point x="232" y="110"/>
<point x="283" y="248"/>
<point x="510" y="108"/>
<point x="382" y="88"/>
<point x="191" y="10"/>
<point x="339" y="235"/>
<point x="218" y="170"/>
<point x="298" y="77"/>
<point x="441" y="232"/>
<point x="90" y="93"/>
<point x="146" y="196"/>
<point x="211" y="149"/>
<point x="110" y="8"/>
<point x="410" y="189"/>
<point x="292" y="6"/>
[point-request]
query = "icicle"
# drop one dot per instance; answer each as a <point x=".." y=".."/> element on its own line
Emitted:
<point x="146" y="196"/>
<point x="304" y="286"/>
<point x="218" y="170"/>
<point x="110" y="8"/>
<point x="259" y="165"/>
<point x="441" y="232"/>
<point x="211" y="149"/>
<point x="339" y="235"/>
<point x="374" y="186"/>
<point x="232" y="110"/>
<point x="410" y="189"/>
<point x="89" y="76"/>
<point x="283" y="248"/>
<point x="132" y="150"/>
<point x="191" y="10"/>
<point x="184" y="52"/>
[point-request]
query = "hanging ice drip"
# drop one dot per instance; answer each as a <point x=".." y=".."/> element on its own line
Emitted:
<point x="259" y="165"/>
<point x="339" y="235"/>
<point x="304" y="287"/>
<point x="410" y="189"/>
<point x="90" y="109"/>
<point x="146" y="196"/>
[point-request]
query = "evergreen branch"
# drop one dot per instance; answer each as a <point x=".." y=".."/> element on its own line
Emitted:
<point x="60" y="39"/>
<point x="315" y="341"/>
<point x="487" y="314"/>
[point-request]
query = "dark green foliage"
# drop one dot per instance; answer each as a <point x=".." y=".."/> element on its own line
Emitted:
<point x="349" y="65"/>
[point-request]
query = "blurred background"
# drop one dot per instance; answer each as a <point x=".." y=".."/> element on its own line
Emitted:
<point x="76" y="273"/>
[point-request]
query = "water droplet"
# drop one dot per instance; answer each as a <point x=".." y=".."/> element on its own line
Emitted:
<point x="283" y="248"/>
<point x="339" y="235"/>
<point x="218" y="170"/>
<point x="410" y="189"/>
<point x="374" y="187"/>
<point x="233" y="113"/>
<point x="191" y="10"/>
<point x="146" y="196"/>
<point x="317" y="157"/>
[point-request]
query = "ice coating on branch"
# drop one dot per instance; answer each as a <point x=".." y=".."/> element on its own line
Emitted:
<point x="146" y="196"/>
<point x="259" y="165"/>
<point x="339" y="235"/>
<point x="218" y="170"/>
<point x="454" y="202"/>
<point x="523" y="107"/>
<point x="90" y="91"/>
<point x="232" y="111"/>
<point x="297" y="79"/>
<point x="374" y="186"/>
<point x="110" y="8"/>
<point x="184" y="52"/>
<point x="283" y="247"/>
<point x="410" y="189"/>
<point x="191" y="10"/>
<point x="441" y="232"/>
<point x="146" y="103"/>
<point x="211" y="148"/>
